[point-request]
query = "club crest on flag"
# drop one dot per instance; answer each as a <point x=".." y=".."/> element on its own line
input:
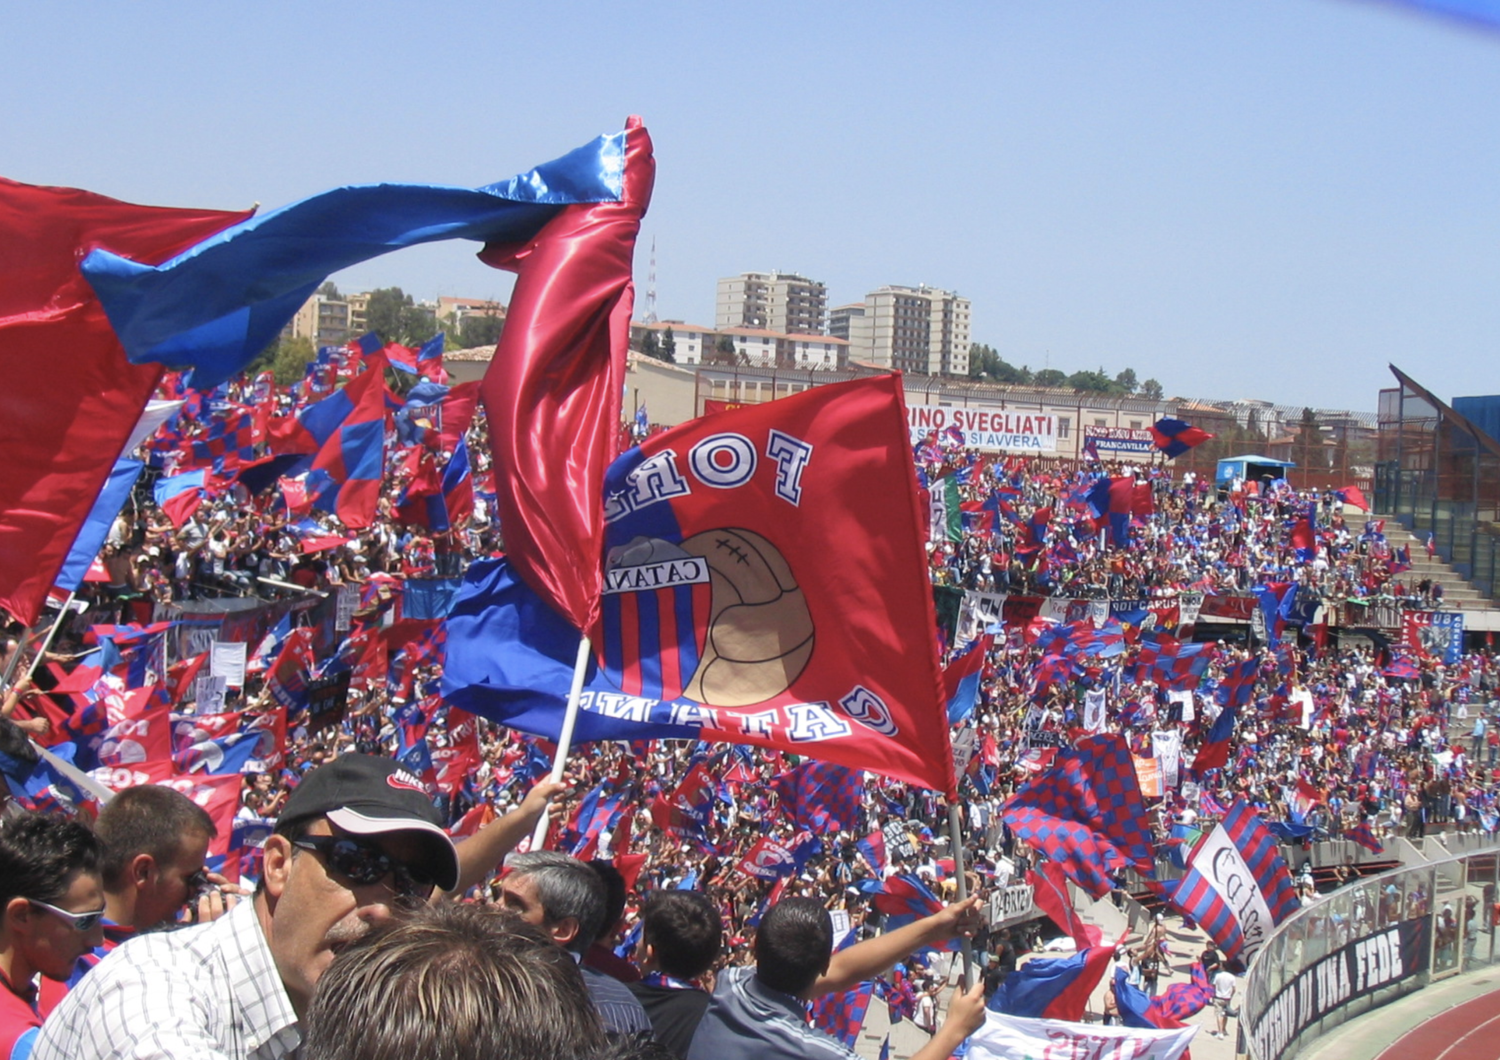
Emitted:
<point x="717" y="617"/>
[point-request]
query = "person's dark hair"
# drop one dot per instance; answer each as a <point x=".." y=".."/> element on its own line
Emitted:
<point x="147" y="819"/>
<point x="456" y="981"/>
<point x="614" y="892"/>
<point x="685" y="930"/>
<point x="566" y="887"/>
<point x="40" y="854"/>
<point x="793" y="944"/>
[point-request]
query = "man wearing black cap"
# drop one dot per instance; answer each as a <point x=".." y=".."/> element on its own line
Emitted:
<point x="359" y="841"/>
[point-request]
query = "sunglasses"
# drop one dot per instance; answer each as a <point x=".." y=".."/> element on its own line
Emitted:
<point x="77" y="921"/>
<point x="363" y="865"/>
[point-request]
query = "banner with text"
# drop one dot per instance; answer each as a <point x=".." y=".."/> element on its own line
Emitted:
<point x="1349" y="972"/>
<point x="992" y="428"/>
<point x="1120" y="440"/>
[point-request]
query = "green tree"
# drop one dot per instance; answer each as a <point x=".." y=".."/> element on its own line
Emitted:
<point x="985" y="363"/>
<point x="1050" y="377"/>
<point x="1125" y="382"/>
<point x="386" y="311"/>
<point x="480" y="331"/>
<point x="1091" y="382"/>
<point x="330" y="290"/>
<point x="1151" y="389"/>
<point x="290" y="358"/>
<point x="651" y="345"/>
<point x="668" y="348"/>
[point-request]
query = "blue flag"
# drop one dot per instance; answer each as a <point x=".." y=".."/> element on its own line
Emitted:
<point x="95" y="528"/>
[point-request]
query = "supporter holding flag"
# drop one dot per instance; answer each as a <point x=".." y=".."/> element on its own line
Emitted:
<point x="1054" y="988"/>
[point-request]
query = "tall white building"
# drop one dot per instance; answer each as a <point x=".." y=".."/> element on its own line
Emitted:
<point x="771" y="301"/>
<point x="921" y="329"/>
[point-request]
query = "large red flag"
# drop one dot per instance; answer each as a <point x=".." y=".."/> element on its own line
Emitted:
<point x="70" y="396"/>
<point x="765" y="585"/>
<point x="553" y="390"/>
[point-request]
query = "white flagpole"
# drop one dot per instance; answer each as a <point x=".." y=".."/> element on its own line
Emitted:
<point x="565" y="738"/>
<point x="41" y="651"/>
<point x="956" y="842"/>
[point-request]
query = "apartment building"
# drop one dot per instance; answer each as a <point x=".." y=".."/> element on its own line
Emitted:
<point x="772" y="301"/>
<point x="922" y="330"/>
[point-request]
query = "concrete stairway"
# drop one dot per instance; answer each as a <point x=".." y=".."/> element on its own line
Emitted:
<point x="1458" y="595"/>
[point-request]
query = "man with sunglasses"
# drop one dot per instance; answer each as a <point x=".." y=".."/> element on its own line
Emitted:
<point x="358" y="842"/>
<point x="51" y="908"/>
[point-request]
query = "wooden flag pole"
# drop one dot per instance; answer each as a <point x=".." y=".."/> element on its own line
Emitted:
<point x="956" y="842"/>
<point x="565" y="737"/>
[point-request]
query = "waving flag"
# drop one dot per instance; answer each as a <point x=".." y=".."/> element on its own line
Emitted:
<point x="765" y="584"/>
<point x="689" y="806"/>
<point x="1237" y="887"/>
<point x="1049" y="885"/>
<point x="596" y="814"/>
<point x="906" y="899"/>
<point x="553" y="389"/>
<point x="1174" y="437"/>
<point x="961" y="679"/>
<point x="62" y="431"/>
<point x="872" y="849"/>
<point x="821" y="797"/>
<point x="1304" y="534"/>
<point x="1055" y="988"/>
<point x="1365" y="836"/>
<point x="346" y="473"/>
<point x="1214" y="753"/>
<point x="842" y="1015"/>
<point x="1086" y="813"/>
<point x="95" y="529"/>
<point x="1172" y="663"/>
<point x="772" y="859"/>
<point x="1353" y="495"/>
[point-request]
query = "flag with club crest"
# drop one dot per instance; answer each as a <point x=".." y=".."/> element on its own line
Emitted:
<point x="1237" y="887"/>
<point x="821" y="797"/>
<point x="771" y="858"/>
<point x="748" y="596"/>
<point x="842" y="1015"/>
<point x="1086" y="813"/>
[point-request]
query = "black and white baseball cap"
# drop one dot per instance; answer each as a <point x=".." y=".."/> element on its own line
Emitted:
<point x="367" y="795"/>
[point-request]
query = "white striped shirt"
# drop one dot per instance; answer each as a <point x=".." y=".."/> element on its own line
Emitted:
<point x="209" y="992"/>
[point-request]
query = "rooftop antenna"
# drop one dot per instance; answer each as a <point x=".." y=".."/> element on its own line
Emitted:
<point x="651" y="286"/>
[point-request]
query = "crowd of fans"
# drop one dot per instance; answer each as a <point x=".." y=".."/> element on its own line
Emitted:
<point x="1335" y="740"/>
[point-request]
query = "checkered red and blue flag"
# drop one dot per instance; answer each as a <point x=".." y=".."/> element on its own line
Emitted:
<point x="1237" y="887"/>
<point x="1365" y="836"/>
<point x="842" y="1015"/>
<point x="1086" y="813"/>
<point x="821" y="797"/>
<point x="1170" y="663"/>
<point x="1181" y="1000"/>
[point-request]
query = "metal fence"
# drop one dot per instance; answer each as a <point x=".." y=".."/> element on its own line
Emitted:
<point x="1368" y="944"/>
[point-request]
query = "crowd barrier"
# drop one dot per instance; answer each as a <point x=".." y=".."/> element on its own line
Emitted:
<point x="1370" y="943"/>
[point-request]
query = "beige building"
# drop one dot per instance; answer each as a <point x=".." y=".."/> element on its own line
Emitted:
<point x="459" y="308"/>
<point x="772" y="301"/>
<point x="690" y="342"/>
<point x="922" y="330"/>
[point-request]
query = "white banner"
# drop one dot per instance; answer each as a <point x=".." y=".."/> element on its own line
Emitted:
<point x="1185" y="697"/>
<point x="978" y="612"/>
<point x="1093" y="710"/>
<point x="1167" y="747"/>
<point x="992" y="428"/>
<point x="1223" y="867"/>
<point x="228" y="662"/>
<point x="1008" y="1037"/>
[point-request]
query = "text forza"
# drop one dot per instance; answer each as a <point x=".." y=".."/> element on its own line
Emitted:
<point x="720" y="461"/>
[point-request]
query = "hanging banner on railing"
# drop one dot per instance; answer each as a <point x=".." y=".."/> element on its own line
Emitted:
<point x="1439" y="634"/>
<point x="1352" y="971"/>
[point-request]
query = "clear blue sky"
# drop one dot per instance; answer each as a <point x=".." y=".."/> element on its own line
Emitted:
<point x="1246" y="198"/>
